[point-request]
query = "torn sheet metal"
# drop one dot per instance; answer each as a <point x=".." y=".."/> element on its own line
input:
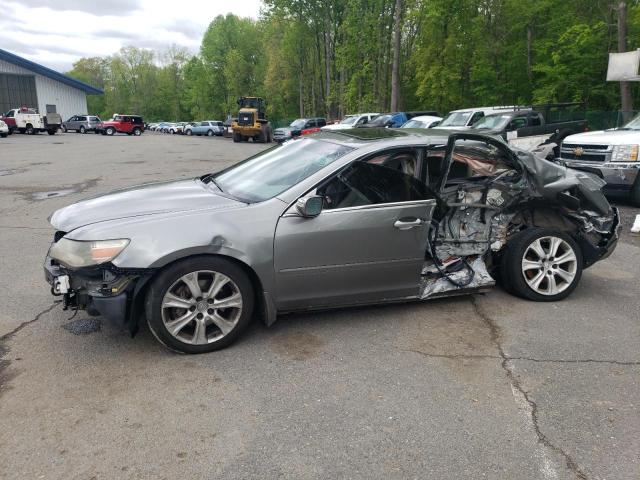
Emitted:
<point x="434" y="284"/>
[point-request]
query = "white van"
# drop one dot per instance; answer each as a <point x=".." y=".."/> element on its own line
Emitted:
<point x="464" y="118"/>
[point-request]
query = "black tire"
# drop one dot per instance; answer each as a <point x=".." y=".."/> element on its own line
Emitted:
<point x="82" y="129"/>
<point x="51" y="132"/>
<point x="237" y="137"/>
<point x="634" y="195"/>
<point x="511" y="268"/>
<point x="4" y="135"/>
<point x="64" y="129"/>
<point x="189" y="132"/>
<point x="171" y="274"/>
<point x="110" y="131"/>
<point x="29" y="129"/>
<point x="137" y="132"/>
<point x="209" y="133"/>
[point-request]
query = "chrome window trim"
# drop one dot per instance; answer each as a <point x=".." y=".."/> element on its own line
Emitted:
<point x="428" y="201"/>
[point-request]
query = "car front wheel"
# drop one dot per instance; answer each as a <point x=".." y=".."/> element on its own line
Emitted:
<point x="541" y="265"/>
<point x="110" y="131"/>
<point x="199" y="305"/>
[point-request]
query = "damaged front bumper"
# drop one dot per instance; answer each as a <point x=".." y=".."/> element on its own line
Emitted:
<point x="106" y="290"/>
<point x="620" y="176"/>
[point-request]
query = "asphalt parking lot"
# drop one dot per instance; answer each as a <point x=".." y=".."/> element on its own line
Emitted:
<point x="488" y="386"/>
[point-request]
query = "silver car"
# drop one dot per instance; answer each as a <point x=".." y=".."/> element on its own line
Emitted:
<point x="81" y="123"/>
<point x="335" y="219"/>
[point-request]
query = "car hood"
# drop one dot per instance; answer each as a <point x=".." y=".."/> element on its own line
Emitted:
<point x="150" y="199"/>
<point x="337" y="126"/>
<point x="606" y="137"/>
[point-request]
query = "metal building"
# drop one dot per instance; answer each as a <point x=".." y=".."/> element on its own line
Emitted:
<point x="24" y="83"/>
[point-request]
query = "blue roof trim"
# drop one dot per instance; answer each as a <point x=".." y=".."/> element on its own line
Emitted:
<point x="47" y="72"/>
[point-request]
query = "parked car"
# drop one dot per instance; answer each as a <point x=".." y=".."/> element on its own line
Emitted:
<point x="610" y="154"/>
<point x="208" y="127"/>
<point x="465" y="118"/>
<point x="351" y="121"/>
<point x="296" y="127"/>
<point x="29" y="121"/>
<point x="330" y="220"/>
<point x="129" y="124"/>
<point x="81" y="123"/>
<point x="387" y="120"/>
<point x="423" y="121"/>
<point x="4" y="129"/>
<point x="394" y="120"/>
<point x="530" y="128"/>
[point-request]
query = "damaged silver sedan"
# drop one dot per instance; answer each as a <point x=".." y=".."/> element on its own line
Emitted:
<point x="335" y="219"/>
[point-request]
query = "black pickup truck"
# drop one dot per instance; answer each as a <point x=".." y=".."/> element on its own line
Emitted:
<point x="529" y="127"/>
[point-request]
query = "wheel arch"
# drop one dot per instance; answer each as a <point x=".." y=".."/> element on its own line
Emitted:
<point x="264" y="302"/>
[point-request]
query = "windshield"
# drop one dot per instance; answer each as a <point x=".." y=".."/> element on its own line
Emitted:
<point x="633" y="124"/>
<point x="415" y="124"/>
<point x="456" y="119"/>
<point x="349" y="120"/>
<point x="493" y="122"/>
<point x="380" y="121"/>
<point x="273" y="171"/>
<point x="299" y="123"/>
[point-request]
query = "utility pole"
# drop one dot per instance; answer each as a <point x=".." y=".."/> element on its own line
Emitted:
<point x="626" y="99"/>
<point x="395" y="69"/>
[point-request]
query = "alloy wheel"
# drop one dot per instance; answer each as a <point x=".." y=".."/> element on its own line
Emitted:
<point x="201" y="307"/>
<point x="549" y="265"/>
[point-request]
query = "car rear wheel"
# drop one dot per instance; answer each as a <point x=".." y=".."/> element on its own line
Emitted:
<point x="83" y="130"/>
<point x="542" y="265"/>
<point x="137" y="132"/>
<point x="199" y="305"/>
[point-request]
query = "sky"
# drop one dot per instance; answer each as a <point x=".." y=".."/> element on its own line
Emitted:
<point x="56" y="33"/>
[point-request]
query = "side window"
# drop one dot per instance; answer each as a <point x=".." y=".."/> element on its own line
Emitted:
<point x="322" y="122"/>
<point x="476" y="116"/>
<point x="310" y="123"/>
<point x="374" y="182"/>
<point x="535" y="120"/>
<point x="516" y="123"/>
<point x="9" y="114"/>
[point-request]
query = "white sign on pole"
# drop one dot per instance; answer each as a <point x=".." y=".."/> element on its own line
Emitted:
<point x="623" y="67"/>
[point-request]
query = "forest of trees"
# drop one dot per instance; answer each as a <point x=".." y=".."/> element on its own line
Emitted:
<point x="332" y="57"/>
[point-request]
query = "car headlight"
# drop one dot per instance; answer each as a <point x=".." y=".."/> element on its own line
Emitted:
<point x="76" y="253"/>
<point x="624" y="153"/>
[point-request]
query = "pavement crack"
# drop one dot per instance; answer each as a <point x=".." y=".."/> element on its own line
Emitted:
<point x="526" y="359"/>
<point x="7" y="336"/>
<point x="4" y="364"/>
<point x="516" y="385"/>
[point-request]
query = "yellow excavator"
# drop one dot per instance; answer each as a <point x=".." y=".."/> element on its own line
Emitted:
<point x="252" y="121"/>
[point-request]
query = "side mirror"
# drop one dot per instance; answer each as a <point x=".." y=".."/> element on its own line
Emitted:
<point x="310" y="207"/>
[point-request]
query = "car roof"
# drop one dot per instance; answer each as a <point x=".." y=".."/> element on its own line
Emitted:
<point x="426" y="118"/>
<point x="495" y="109"/>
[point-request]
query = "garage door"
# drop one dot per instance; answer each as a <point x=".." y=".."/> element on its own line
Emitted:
<point x="17" y="91"/>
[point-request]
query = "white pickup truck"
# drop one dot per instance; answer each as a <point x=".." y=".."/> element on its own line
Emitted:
<point x="28" y="120"/>
<point x="610" y="154"/>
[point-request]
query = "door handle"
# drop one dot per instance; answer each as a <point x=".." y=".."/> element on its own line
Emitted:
<point x="406" y="224"/>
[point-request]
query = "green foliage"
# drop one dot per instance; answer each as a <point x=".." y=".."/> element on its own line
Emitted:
<point x="333" y="57"/>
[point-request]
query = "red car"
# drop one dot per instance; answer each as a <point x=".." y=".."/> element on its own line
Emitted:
<point x="129" y="124"/>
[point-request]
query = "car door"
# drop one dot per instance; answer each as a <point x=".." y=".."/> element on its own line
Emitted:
<point x="367" y="245"/>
